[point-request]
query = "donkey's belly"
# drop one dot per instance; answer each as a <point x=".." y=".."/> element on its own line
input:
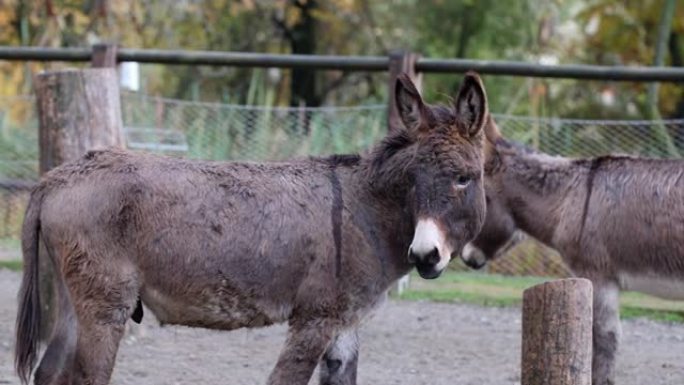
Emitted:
<point x="659" y="286"/>
<point x="213" y="310"/>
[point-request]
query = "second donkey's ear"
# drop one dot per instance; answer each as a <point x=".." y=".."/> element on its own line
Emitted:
<point x="412" y="110"/>
<point x="491" y="130"/>
<point x="492" y="137"/>
<point x="471" y="105"/>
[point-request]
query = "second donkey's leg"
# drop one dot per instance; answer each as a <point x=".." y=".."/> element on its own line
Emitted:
<point x="338" y="366"/>
<point x="306" y="342"/>
<point x="606" y="331"/>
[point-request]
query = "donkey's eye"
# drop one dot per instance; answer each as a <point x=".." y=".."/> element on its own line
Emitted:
<point x="462" y="182"/>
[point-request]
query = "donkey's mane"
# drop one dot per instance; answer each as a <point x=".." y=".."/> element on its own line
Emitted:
<point x="389" y="146"/>
<point x="340" y="160"/>
<point x="441" y="116"/>
<point x="539" y="171"/>
<point x="590" y="162"/>
<point x="621" y="159"/>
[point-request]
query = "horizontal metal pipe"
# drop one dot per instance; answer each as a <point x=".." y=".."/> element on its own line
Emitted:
<point x="571" y="71"/>
<point x="247" y="59"/>
<point x="45" y="54"/>
<point x="353" y="63"/>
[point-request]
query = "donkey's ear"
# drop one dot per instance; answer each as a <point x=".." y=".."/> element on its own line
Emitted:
<point x="412" y="110"/>
<point x="491" y="130"/>
<point x="492" y="137"/>
<point x="471" y="105"/>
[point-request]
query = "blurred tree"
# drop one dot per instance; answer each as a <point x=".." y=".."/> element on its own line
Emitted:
<point x="626" y="33"/>
<point x="597" y="31"/>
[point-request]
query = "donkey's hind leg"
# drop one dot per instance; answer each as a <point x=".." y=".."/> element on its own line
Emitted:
<point x="57" y="365"/>
<point x="306" y="342"/>
<point x="339" y="363"/>
<point x="104" y="298"/>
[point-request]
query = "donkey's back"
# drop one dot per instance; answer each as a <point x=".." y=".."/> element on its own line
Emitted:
<point x="635" y="216"/>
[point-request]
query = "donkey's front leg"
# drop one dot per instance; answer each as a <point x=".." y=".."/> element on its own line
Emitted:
<point x="306" y="342"/>
<point x="338" y="366"/>
<point x="606" y="331"/>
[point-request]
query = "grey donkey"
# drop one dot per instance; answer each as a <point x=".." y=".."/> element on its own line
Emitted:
<point x="616" y="220"/>
<point x="224" y="245"/>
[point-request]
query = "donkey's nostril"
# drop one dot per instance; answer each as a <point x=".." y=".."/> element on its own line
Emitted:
<point x="432" y="257"/>
<point x="333" y="365"/>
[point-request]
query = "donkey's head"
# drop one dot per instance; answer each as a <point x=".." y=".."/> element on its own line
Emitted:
<point x="499" y="232"/>
<point x="440" y="158"/>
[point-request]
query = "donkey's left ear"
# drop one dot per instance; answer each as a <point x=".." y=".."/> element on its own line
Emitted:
<point x="471" y="105"/>
<point x="413" y="112"/>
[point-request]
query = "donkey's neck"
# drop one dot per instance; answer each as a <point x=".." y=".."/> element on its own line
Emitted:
<point x="536" y="187"/>
<point x="381" y="213"/>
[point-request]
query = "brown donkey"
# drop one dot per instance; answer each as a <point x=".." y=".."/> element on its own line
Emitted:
<point x="314" y="242"/>
<point x="616" y="220"/>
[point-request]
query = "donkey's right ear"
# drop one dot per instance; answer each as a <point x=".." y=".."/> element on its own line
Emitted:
<point x="412" y="110"/>
<point x="471" y="105"/>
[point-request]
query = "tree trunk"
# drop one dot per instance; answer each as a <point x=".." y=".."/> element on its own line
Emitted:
<point x="302" y="38"/>
<point x="78" y="110"/>
<point x="466" y="32"/>
<point x="557" y="333"/>
<point x="677" y="61"/>
<point x="661" y="132"/>
<point x="664" y="29"/>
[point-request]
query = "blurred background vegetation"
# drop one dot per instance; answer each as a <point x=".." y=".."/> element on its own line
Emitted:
<point x="609" y="32"/>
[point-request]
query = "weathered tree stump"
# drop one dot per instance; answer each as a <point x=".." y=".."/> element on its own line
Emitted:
<point x="104" y="56"/>
<point x="557" y="333"/>
<point x="400" y="62"/>
<point x="78" y="110"/>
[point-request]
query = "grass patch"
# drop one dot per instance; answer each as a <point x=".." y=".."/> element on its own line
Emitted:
<point x="498" y="290"/>
<point x="10" y="243"/>
<point x="14" y="265"/>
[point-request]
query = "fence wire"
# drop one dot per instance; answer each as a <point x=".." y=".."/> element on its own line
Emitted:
<point x="232" y="132"/>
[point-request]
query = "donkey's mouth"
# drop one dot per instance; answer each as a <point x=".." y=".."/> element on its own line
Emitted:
<point x="473" y="257"/>
<point x="474" y="264"/>
<point x="428" y="270"/>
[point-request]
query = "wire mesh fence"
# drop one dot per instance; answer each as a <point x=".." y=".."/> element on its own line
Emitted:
<point x="231" y="132"/>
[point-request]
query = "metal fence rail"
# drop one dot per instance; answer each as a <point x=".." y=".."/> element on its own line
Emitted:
<point x="351" y="63"/>
<point x="234" y="132"/>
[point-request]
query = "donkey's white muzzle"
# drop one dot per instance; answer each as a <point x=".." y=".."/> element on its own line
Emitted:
<point x="429" y="250"/>
<point x="473" y="256"/>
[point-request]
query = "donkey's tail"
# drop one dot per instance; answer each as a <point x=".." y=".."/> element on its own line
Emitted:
<point x="28" y="315"/>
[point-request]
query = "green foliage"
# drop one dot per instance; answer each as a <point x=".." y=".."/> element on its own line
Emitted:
<point x="597" y="31"/>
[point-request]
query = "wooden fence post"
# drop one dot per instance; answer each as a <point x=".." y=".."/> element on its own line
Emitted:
<point x="399" y="62"/>
<point x="78" y="110"/>
<point x="557" y="333"/>
<point x="104" y="56"/>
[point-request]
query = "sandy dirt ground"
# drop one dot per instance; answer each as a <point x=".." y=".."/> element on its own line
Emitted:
<point x="404" y="343"/>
